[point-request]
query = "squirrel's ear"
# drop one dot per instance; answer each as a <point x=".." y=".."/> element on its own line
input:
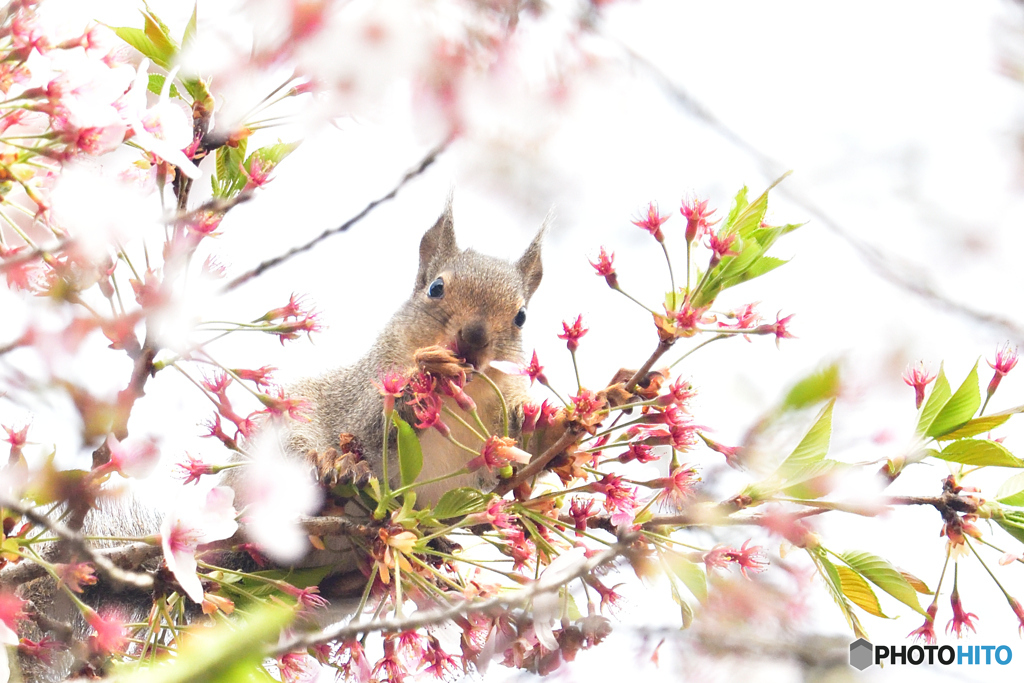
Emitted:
<point x="437" y="246"/>
<point x="529" y="264"/>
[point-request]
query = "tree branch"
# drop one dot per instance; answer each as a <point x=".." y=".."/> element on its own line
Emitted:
<point x="422" y="166"/>
<point x="440" y="615"/>
<point x="75" y="540"/>
<point x="878" y="261"/>
<point x="539" y="463"/>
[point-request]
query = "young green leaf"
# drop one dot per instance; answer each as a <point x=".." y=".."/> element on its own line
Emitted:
<point x="937" y="398"/>
<point x="158" y="32"/>
<point x="818" y="386"/>
<point x="410" y="455"/>
<point x="812" y="448"/>
<point x="1012" y="491"/>
<point x="190" y="28"/>
<point x="834" y="583"/>
<point x="979" y="453"/>
<point x="978" y="425"/>
<point x="1012" y="522"/>
<point x="689" y="573"/>
<point x="884" y="575"/>
<point x="156" y="85"/>
<point x="459" y="502"/>
<point x="138" y="39"/>
<point x="859" y="592"/>
<point x="960" y="408"/>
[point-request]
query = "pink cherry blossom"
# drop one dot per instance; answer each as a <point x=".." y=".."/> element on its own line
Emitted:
<point x="191" y="525"/>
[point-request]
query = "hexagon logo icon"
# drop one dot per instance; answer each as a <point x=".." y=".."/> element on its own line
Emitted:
<point x="861" y="654"/>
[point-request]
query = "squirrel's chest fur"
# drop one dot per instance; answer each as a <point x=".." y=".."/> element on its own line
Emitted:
<point x="441" y="456"/>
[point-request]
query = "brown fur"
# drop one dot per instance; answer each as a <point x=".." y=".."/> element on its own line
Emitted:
<point x="481" y="293"/>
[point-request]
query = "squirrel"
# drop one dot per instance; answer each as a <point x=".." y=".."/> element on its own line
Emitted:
<point x="471" y="303"/>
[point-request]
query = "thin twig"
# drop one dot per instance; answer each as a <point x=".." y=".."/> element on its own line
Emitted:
<point x="538" y="463"/>
<point x="878" y="261"/>
<point x="422" y="166"/>
<point x="75" y="540"/>
<point x="437" y="616"/>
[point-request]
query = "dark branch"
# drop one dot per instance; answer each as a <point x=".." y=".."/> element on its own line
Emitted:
<point x="422" y="166"/>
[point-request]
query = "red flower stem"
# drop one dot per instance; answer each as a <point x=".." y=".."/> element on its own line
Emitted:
<point x="663" y="346"/>
<point x="538" y="464"/>
<point x="501" y="401"/>
<point x="671" y="275"/>
<point x="704" y="343"/>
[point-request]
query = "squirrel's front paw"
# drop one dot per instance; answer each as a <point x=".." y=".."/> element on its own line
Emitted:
<point x="345" y="466"/>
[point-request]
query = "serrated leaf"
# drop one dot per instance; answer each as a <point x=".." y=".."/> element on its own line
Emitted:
<point x="859" y="592"/>
<point x="1011" y="492"/>
<point x="689" y="573"/>
<point x="960" y="408"/>
<point x="916" y="583"/>
<point x="138" y="39"/>
<point x="937" y="398"/>
<point x="979" y="453"/>
<point x="156" y="85"/>
<point x="830" y="574"/>
<point x="979" y="425"/>
<point x="459" y="502"/>
<point x="818" y="386"/>
<point x="230" y="179"/>
<point x="739" y="204"/>
<point x="273" y="154"/>
<point x="884" y="575"/>
<point x="410" y="455"/>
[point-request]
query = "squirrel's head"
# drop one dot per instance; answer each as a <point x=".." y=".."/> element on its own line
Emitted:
<point x="473" y="303"/>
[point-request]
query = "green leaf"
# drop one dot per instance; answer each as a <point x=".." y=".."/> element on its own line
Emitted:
<point x="190" y="28"/>
<point x="226" y="652"/>
<point x="1012" y="522"/>
<point x="158" y="32"/>
<point x="689" y="573"/>
<point x="765" y="264"/>
<point x="685" y="611"/>
<point x="1012" y="491"/>
<point x="812" y="448"/>
<point x="822" y="384"/>
<point x="815" y="481"/>
<point x="974" y="427"/>
<point x="916" y="583"/>
<point x="884" y="575"/>
<point x="138" y="39"/>
<point x="940" y="393"/>
<point x="830" y="573"/>
<point x="156" y="85"/>
<point x="230" y="179"/>
<point x="980" y="453"/>
<point x="273" y="154"/>
<point x="738" y="205"/>
<point x="859" y="592"/>
<point x="461" y="501"/>
<point x="410" y="455"/>
<point x="959" y="409"/>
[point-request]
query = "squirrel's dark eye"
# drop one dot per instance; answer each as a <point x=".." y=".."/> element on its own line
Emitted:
<point x="436" y="289"/>
<point x="520" y="318"/>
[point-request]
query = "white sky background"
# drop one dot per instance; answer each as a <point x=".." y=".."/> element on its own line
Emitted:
<point x="893" y="118"/>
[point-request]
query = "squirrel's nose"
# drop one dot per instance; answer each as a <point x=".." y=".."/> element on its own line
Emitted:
<point x="473" y="339"/>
